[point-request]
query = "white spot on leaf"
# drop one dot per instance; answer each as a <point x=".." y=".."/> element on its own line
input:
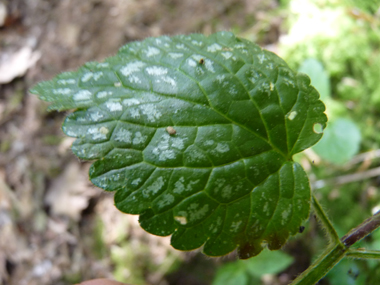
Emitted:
<point x="132" y="67"/>
<point x="114" y="106"/>
<point x="175" y="55"/>
<point x="156" y="70"/>
<point x="214" y="47"/>
<point x="123" y="135"/>
<point x="62" y="91"/>
<point x="152" y="51"/>
<point x="82" y="95"/>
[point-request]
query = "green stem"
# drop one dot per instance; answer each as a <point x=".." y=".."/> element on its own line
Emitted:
<point x="363" y="254"/>
<point x="339" y="248"/>
<point x="329" y="258"/>
<point x="326" y="223"/>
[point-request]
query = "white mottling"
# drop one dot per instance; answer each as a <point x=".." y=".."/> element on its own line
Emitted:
<point x="114" y="106"/>
<point x="167" y="45"/>
<point x="180" y="46"/>
<point x="165" y="200"/>
<point x="285" y="214"/>
<point x="154" y="187"/>
<point x="135" y="113"/>
<point x="139" y="138"/>
<point x="156" y="70"/>
<point x="136" y="181"/>
<point x="194" y="212"/>
<point x="66" y="81"/>
<point x="194" y="42"/>
<point x="238" y="46"/>
<point x="191" y="62"/>
<point x="130" y="102"/>
<point x="226" y="191"/>
<point x="82" y="95"/>
<point x="158" y="41"/>
<point x="292" y="115"/>
<point x="227" y="54"/>
<point x="175" y="55"/>
<point x="151" y="112"/>
<point x="289" y="82"/>
<point x="132" y="67"/>
<point x="123" y="135"/>
<point x="117" y="84"/>
<point x="270" y="66"/>
<point x="214" y="226"/>
<point x="261" y="57"/>
<point x="271" y="86"/>
<point x="178" y="142"/>
<point x="235" y="226"/>
<point x="265" y="209"/>
<point x="87" y="76"/>
<point x="179" y="186"/>
<point x="220" y="78"/>
<point x="222" y="147"/>
<point x="95" y="116"/>
<point x="95" y="75"/>
<point x="103" y="64"/>
<point x="233" y="90"/>
<point x="181" y="220"/>
<point x="169" y="80"/>
<point x="70" y="133"/>
<point x="62" y="91"/>
<point x="103" y="94"/>
<point x="208" y="142"/>
<point x="164" y="149"/>
<point x="134" y="79"/>
<point x="214" y="47"/>
<point x="98" y="133"/>
<point x="209" y="65"/>
<point x="152" y="51"/>
<point x="244" y="51"/>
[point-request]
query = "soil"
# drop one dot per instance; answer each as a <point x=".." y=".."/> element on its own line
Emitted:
<point x="55" y="226"/>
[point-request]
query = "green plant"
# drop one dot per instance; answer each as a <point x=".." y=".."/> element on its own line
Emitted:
<point x="196" y="134"/>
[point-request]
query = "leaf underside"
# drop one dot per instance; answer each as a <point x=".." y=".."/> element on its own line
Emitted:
<point x="196" y="135"/>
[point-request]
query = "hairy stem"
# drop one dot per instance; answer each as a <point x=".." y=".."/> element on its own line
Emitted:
<point x="329" y="258"/>
<point x="339" y="248"/>
<point x="326" y="223"/>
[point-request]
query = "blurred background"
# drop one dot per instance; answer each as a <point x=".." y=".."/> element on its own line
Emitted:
<point x="57" y="228"/>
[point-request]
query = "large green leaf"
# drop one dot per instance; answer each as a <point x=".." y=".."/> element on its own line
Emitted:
<point x="196" y="134"/>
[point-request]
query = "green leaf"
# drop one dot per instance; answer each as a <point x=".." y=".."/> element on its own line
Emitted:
<point x="232" y="273"/>
<point x="340" y="142"/>
<point x="269" y="262"/>
<point x="196" y="135"/>
<point x="241" y="271"/>
<point x="318" y="76"/>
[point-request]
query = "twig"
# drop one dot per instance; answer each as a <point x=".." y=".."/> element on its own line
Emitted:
<point x="344" y="179"/>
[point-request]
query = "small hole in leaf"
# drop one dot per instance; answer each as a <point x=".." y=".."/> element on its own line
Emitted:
<point x="317" y="128"/>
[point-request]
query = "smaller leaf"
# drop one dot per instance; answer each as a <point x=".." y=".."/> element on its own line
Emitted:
<point x="242" y="271"/>
<point x="340" y="142"/>
<point x="232" y="273"/>
<point x="268" y="262"/>
<point x="318" y="76"/>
